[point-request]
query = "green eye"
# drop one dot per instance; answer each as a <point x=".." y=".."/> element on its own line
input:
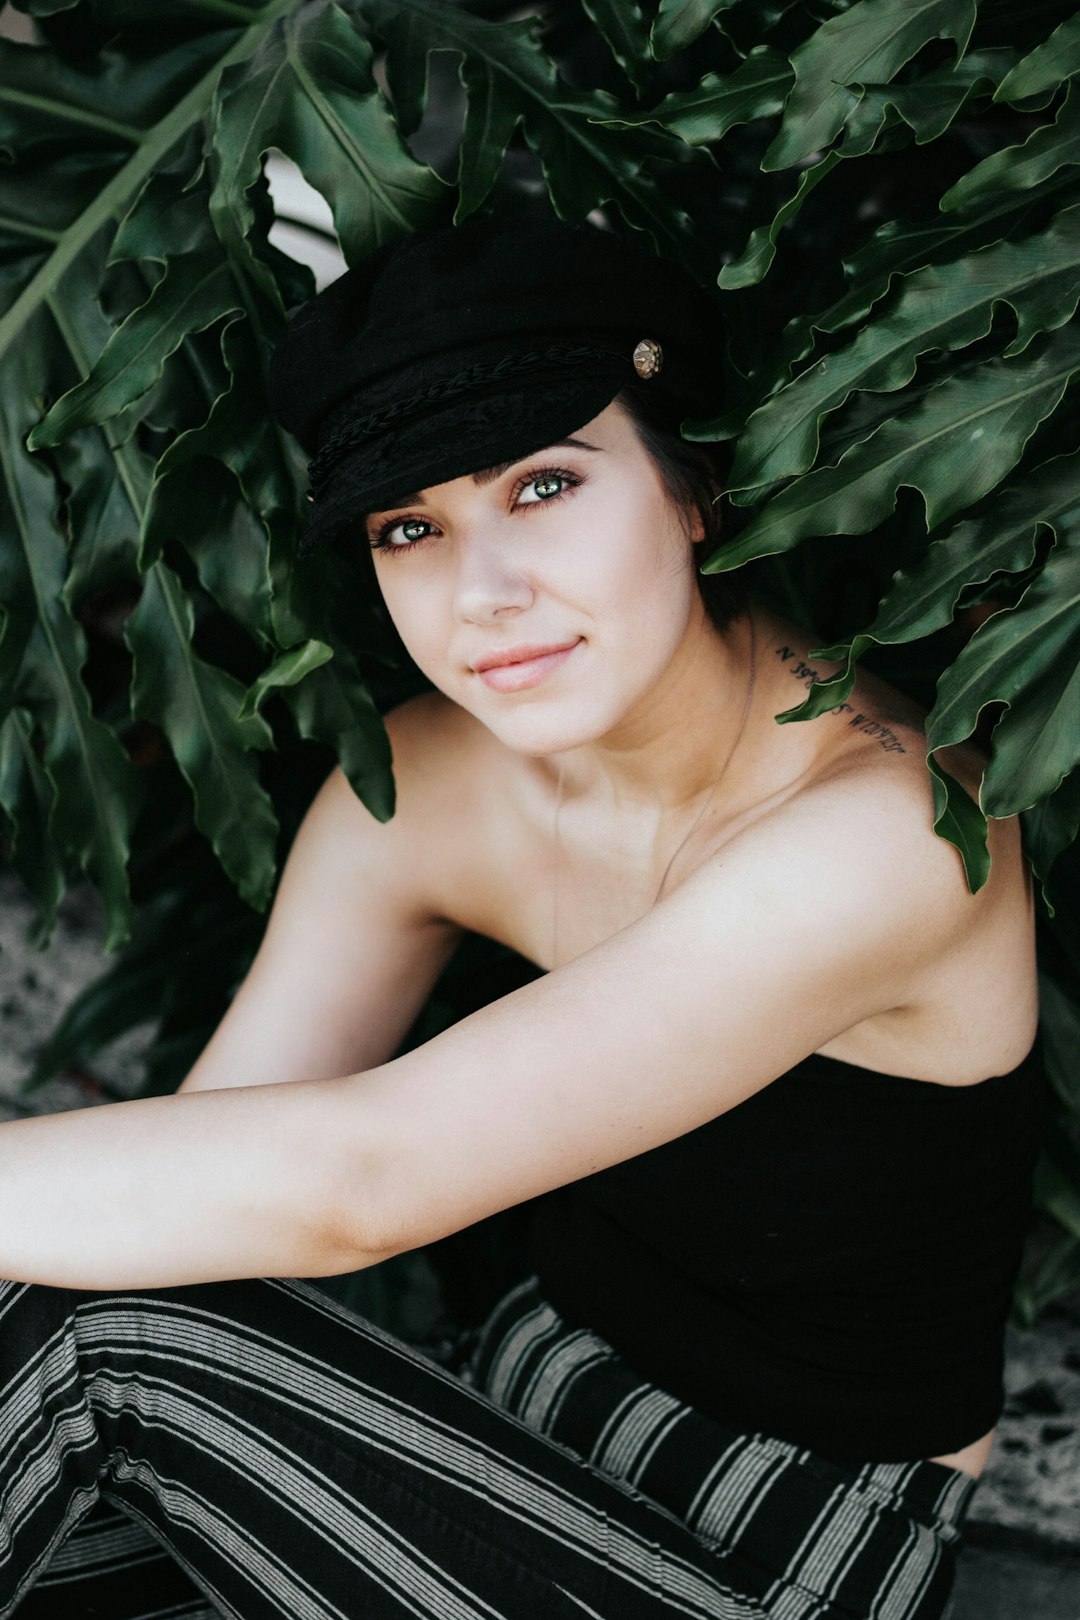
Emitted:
<point x="546" y="487"/>
<point x="413" y="530"/>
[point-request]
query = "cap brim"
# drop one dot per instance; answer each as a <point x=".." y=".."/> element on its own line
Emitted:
<point x="463" y="436"/>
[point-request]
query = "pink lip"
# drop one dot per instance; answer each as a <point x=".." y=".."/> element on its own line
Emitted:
<point x="518" y="667"/>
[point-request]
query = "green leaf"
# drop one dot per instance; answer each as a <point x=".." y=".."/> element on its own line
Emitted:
<point x="939" y="308"/>
<point x="756" y="89"/>
<point x="28" y="797"/>
<point x="198" y="707"/>
<point x="679" y="22"/>
<point x="195" y="503"/>
<point x="168" y="218"/>
<point x="288" y="670"/>
<point x="927" y="106"/>
<point x="42" y="653"/>
<point x="201" y="507"/>
<point x="622" y="24"/>
<point x="586" y="164"/>
<point x="1057" y="1275"/>
<point x="869" y="42"/>
<point x="1059" y="1027"/>
<point x="331" y="706"/>
<point x="492" y="113"/>
<point x="1057" y="1186"/>
<point x="902" y="246"/>
<point x="754" y="261"/>
<point x="309" y="92"/>
<point x="1018" y="168"/>
<point x="1046" y="66"/>
<point x="104" y="101"/>
<point x="194" y="292"/>
<point x="104" y="192"/>
<point x="954" y="445"/>
<point x="102" y="512"/>
<point x="959" y="820"/>
<point x="1002" y="539"/>
<point x="896" y="249"/>
<point x="1027" y="658"/>
<point x="1049" y="829"/>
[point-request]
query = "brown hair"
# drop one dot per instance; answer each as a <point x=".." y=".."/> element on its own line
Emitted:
<point x="690" y="474"/>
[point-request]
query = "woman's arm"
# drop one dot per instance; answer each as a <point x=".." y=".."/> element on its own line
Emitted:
<point x="827" y="913"/>
<point x="353" y="945"/>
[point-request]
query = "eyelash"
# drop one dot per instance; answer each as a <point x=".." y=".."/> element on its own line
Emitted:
<point x="379" y="541"/>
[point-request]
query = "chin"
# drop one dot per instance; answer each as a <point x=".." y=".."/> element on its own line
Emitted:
<point x="541" y="728"/>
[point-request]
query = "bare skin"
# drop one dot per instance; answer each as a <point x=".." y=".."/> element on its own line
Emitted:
<point x="812" y="887"/>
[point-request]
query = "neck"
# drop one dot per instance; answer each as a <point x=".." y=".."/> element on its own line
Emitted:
<point x="669" y="751"/>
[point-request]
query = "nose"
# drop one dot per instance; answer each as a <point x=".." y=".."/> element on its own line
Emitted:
<point x="490" y="584"/>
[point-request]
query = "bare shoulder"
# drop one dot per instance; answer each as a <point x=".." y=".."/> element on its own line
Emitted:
<point x="854" y="847"/>
<point x="452" y="781"/>
<point x="863" y="781"/>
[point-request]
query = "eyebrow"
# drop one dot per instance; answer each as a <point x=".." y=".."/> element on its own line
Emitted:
<point x="488" y="475"/>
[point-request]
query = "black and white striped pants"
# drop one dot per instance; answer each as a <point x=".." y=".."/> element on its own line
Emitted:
<point x="296" y="1462"/>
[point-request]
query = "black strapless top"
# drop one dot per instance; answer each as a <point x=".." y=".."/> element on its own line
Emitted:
<point x="831" y="1261"/>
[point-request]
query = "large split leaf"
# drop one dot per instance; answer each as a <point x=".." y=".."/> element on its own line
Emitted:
<point x="1029" y="660"/>
<point x="902" y="246"/>
<point x="1045" y="67"/>
<point x="330" y="703"/>
<point x="720" y="102"/>
<point x="940" y="307"/>
<point x="309" y="91"/>
<point x="1002" y="540"/>
<point x="106" y="191"/>
<point x="198" y="708"/>
<point x="508" y="75"/>
<point x="28" y="796"/>
<point x="287" y="671"/>
<point x="760" y="250"/>
<point x="868" y="43"/>
<point x="103" y="101"/>
<point x="1049" y="829"/>
<point x="223" y="518"/>
<point x="954" y="446"/>
<point x="928" y="105"/>
<point x="195" y="291"/>
<point x="679" y="22"/>
<point x="622" y="24"/>
<point x="1018" y="168"/>
<point x="43" y="651"/>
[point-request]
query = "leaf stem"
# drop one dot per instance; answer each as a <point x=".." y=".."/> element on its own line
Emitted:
<point x="125" y="183"/>
<point x="23" y="227"/>
<point x="76" y="115"/>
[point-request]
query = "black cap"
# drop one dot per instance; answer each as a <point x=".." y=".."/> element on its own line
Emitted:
<point x="458" y="348"/>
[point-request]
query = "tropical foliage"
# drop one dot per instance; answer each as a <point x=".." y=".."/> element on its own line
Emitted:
<point x="887" y="195"/>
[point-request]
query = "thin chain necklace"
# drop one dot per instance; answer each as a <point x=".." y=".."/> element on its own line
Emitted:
<point x="685" y="839"/>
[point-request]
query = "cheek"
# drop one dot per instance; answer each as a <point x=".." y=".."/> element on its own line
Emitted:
<point x="414" y="610"/>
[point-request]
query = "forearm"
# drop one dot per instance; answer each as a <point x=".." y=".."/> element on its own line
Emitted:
<point x="172" y="1190"/>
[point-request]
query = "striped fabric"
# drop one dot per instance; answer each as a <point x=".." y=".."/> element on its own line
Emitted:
<point x="808" y="1537"/>
<point x="296" y="1462"/>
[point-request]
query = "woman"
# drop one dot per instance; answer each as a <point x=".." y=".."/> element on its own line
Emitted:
<point x="776" y="1085"/>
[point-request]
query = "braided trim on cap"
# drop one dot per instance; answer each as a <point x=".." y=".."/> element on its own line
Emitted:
<point x="462" y="382"/>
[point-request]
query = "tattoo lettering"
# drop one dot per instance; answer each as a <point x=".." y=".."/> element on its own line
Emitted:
<point x="807" y="674"/>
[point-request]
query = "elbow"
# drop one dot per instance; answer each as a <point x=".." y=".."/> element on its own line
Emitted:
<point x="364" y="1221"/>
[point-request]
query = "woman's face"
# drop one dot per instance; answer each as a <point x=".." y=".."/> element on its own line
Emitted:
<point x="549" y="597"/>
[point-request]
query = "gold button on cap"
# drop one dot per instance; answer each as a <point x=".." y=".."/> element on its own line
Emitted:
<point x="648" y="358"/>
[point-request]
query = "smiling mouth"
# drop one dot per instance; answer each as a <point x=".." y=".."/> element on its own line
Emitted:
<point x="520" y="667"/>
